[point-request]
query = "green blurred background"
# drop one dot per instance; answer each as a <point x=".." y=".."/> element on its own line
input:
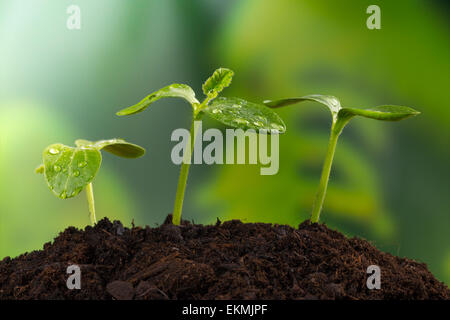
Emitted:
<point x="390" y="181"/>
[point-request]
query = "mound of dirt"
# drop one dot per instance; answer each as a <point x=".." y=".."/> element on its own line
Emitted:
<point x="230" y="260"/>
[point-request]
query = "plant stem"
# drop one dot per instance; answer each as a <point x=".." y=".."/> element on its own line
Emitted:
<point x="90" y="198"/>
<point x="323" y="184"/>
<point x="184" y="172"/>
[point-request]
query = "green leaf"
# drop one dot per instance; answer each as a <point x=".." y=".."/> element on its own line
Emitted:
<point x="174" y="90"/>
<point x="220" y="79"/>
<point x="331" y="102"/>
<point x="387" y="113"/>
<point x="239" y="113"/>
<point x="118" y="147"/>
<point x="68" y="170"/>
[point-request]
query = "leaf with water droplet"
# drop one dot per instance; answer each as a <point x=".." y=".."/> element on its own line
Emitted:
<point x="174" y="90"/>
<point x="329" y="101"/>
<point x="388" y="112"/>
<point x="220" y="79"/>
<point x="60" y="168"/>
<point x="68" y="170"/>
<point x="239" y="113"/>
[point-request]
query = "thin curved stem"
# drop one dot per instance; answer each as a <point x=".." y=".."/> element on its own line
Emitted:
<point x="91" y="202"/>
<point x="323" y="184"/>
<point x="184" y="172"/>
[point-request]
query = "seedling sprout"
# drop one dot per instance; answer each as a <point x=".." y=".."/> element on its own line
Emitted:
<point x="341" y="116"/>
<point x="69" y="170"/>
<point x="234" y="112"/>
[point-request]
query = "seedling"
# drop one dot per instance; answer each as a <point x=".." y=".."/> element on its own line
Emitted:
<point x="341" y="116"/>
<point x="69" y="170"/>
<point x="234" y="112"/>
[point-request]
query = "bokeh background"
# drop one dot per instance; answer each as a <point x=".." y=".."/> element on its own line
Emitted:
<point x="390" y="181"/>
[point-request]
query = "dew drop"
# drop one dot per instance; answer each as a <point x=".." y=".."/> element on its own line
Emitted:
<point x="276" y="126"/>
<point x="53" y="151"/>
<point x="82" y="164"/>
<point x="76" y="173"/>
<point x="216" y="111"/>
<point x="258" y="123"/>
<point x="241" y="121"/>
<point x="57" y="168"/>
<point x="334" y="102"/>
<point x="76" y="191"/>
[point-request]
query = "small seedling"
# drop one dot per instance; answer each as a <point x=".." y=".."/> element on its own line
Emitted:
<point x="69" y="170"/>
<point x="341" y="116"/>
<point x="232" y="112"/>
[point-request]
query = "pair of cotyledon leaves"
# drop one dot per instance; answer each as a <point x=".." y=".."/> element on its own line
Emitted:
<point x="384" y="112"/>
<point x="68" y="170"/>
<point x="234" y="112"/>
<point x="239" y="113"/>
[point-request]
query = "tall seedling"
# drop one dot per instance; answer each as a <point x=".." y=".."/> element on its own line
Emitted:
<point x="340" y="117"/>
<point x="234" y="112"/>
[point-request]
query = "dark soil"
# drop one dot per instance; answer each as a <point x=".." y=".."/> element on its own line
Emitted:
<point x="230" y="260"/>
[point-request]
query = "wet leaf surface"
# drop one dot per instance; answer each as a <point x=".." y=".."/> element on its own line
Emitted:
<point x="68" y="170"/>
<point x="385" y="112"/>
<point x="243" y="114"/>
<point x="220" y="79"/>
<point x="172" y="91"/>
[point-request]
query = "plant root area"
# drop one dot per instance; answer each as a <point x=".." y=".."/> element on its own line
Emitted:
<point x="230" y="260"/>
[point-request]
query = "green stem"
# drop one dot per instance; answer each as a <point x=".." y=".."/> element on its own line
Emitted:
<point x="323" y="184"/>
<point x="90" y="198"/>
<point x="184" y="172"/>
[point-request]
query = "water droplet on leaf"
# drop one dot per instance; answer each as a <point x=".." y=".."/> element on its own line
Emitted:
<point x="57" y="168"/>
<point x="53" y="151"/>
<point x="240" y="120"/>
<point x="82" y="164"/>
<point x="334" y="101"/>
<point x="276" y="126"/>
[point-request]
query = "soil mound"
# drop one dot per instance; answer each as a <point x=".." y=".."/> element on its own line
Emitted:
<point x="230" y="260"/>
